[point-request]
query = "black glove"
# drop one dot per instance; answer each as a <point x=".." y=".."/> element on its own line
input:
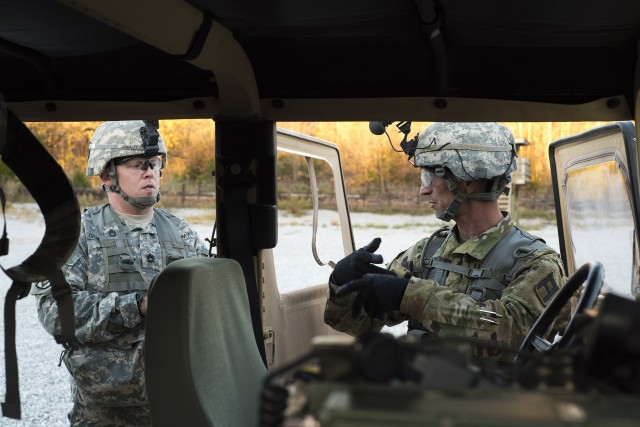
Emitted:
<point x="358" y="263"/>
<point x="377" y="293"/>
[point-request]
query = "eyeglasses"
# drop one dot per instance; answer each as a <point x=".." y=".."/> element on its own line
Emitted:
<point x="140" y="163"/>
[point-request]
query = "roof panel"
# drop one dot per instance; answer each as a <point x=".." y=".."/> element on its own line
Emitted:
<point x="567" y="52"/>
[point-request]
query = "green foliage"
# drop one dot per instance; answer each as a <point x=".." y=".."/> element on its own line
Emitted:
<point x="79" y="179"/>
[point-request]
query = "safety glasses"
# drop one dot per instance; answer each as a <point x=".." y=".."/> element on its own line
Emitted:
<point x="141" y="163"/>
<point x="428" y="175"/>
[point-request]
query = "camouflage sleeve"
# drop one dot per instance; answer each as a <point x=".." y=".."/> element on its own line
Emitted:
<point x="338" y="315"/>
<point x="99" y="316"/>
<point x="452" y="314"/>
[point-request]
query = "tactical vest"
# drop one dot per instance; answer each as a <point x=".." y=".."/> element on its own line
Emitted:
<point x="122" y="275"/>
<point x="489" y="280"/>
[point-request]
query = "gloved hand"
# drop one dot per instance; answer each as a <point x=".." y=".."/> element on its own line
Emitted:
<point x="358" y="263"/>
<point x="377" y="293"/>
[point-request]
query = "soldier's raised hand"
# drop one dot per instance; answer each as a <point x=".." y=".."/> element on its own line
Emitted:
<point x="358" y="263"/>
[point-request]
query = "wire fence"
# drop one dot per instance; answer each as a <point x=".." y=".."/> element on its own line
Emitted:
<point x="397" y="200"/>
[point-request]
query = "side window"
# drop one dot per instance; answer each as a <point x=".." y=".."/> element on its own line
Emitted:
<point x="309" y="175"/>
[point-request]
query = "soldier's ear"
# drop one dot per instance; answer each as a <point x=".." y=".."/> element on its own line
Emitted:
<point x="105" y="177"/>
<point x="475" y="186"/>
<point x="465" y="186"/>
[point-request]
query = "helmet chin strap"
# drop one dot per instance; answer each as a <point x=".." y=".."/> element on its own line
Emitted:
<point x="458" y="198"/>
<point x="498" y="186"/>
<point x="136" y="202"/>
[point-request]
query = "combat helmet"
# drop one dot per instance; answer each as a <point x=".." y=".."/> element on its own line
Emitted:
<point x="468" y="151"/>
<point x="116" y="140"/>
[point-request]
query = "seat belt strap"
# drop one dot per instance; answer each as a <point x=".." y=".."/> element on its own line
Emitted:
<point x="52" y="190"/>
<point x="11" y="405"/>
<point x="314" y="197"/>
<point x="61" y="292"/>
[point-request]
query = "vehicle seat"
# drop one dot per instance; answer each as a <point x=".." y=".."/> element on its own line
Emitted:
<point x="202" y="366"/>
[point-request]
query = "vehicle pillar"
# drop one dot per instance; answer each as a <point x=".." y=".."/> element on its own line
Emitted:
<point x="246" y="199"/>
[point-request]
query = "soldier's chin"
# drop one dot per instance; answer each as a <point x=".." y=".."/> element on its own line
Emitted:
<point x="149" y="193"/>
<point x="147" y="202"/>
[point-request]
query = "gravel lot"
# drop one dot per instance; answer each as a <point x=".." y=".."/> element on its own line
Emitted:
<point x="44" y="387"/>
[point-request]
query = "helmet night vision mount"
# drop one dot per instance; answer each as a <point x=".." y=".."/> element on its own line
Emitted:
<point x="408" y="146"/>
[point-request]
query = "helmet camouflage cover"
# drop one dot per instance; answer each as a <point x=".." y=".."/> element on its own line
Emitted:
<point x="113" y="140"/>
<point x="469" y="150"/>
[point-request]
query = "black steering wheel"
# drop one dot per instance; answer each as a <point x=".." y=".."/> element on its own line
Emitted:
<point x="592" y="275"/>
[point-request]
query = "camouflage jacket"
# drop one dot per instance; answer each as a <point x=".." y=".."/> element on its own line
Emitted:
<point x="110" y="268"/>
<point x="447" y="310"/>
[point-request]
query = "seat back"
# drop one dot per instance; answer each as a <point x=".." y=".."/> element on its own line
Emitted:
<point x="202" y="366"/>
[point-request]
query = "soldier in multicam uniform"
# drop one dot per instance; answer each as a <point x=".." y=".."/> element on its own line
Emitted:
<point x="122" y="247"/>
<point x="483" y="278"/>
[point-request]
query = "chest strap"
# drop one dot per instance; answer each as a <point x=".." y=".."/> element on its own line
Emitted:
<point x="473" y="273"/>
<point x="498" y="267"/>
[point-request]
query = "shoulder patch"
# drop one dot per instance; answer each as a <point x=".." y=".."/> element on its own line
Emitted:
<point x="547" y="289"/>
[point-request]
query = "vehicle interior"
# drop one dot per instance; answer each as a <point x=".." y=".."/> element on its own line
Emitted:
<point x="249" y="65"/>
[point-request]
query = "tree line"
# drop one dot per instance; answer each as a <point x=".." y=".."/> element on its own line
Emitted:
<point x="369" y="161"/>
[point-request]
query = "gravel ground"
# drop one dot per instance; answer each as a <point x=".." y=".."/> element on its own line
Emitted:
<point x="44" y="387"/>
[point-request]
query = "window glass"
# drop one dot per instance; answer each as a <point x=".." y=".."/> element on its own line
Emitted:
<point x="295" y="223"/>
<point x="601" y="222"/>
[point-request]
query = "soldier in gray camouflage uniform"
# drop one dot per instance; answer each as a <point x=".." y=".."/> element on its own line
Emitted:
<point x="483" y="278"/>
<point x="123" y="245"/>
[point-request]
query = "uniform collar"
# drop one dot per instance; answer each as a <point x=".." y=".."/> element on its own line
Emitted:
<point x="479" y="246"/>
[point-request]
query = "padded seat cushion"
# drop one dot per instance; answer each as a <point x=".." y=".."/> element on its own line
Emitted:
<point x="201" y="360"/>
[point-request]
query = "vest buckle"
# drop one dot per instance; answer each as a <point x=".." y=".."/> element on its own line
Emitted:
<point x="476" y="293"/>
<point x="476" y="273"/>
